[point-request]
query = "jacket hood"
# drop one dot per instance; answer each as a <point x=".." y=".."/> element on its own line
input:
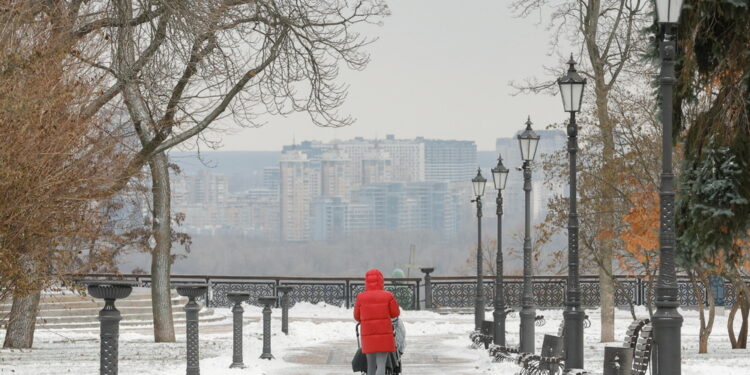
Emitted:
<point x="374" y="280"/>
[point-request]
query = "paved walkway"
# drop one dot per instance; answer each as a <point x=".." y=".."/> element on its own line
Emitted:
<point x="424" y="355"/>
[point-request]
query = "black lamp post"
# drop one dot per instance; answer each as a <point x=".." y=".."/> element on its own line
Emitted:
<point x="571" y="90"/>
<point x="667" y="320"/>
<point x="528" y="140"/>
<point x="478" y="183"/>
<point x="499" y="177"/>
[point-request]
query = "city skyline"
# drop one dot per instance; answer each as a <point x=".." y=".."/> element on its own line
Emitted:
<point x="313" y="190"/>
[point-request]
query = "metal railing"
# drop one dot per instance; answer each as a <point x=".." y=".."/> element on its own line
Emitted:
<point x="446" y="291"/>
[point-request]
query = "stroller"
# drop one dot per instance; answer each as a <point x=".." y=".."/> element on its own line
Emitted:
<point x="393" y="362"/>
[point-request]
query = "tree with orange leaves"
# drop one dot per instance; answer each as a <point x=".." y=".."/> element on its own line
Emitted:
<point x="640" y="255"/>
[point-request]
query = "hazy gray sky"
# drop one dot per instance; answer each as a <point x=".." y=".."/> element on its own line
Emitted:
<point x="440" y="69"/>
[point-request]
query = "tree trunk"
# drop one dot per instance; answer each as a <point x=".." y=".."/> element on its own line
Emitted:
<point x="607" y="295"/>
<point x="742" y="337"/>
<point x="609" y="221"/>
<point x="706" y="326"/>
<point x="743" y="305"/>
<point x="606" y="243"/>
<point x="161" y="254"/>
<point x="739" y="341"/>
<point x="21" y="321"/>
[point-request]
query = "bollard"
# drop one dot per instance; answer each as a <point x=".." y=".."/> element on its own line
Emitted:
<point x="109" y="318"/>
<point x="427" y="286"/>
<point x="191" y="324"/>
<point x="237" y="311"/>
<point x="267" y="302"/>
<point x="284" y="290"/>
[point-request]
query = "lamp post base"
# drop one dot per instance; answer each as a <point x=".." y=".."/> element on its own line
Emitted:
<point x="499" y="332"/>
<point x="478" y="313"/>
<point x="573" y="340"/>
<point x="667" y="323"/>
<point x="528" y="316"/>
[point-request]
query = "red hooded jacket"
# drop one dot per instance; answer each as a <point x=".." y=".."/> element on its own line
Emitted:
<point x="374" y="309"/>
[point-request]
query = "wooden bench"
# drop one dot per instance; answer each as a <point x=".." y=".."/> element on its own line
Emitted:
<point x="549" y="361"/>
<point x="484" y="336"/>
<point x="643" y="347"/>
<point x="632" y="358"/>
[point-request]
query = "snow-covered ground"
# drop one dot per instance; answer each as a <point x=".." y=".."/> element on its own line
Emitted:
<point x="322" y="341"/>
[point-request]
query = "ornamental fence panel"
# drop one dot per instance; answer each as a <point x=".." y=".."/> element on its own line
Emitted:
<point x="549" y="292"/>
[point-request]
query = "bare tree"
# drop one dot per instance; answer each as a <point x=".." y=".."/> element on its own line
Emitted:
<point x="197" y="62"/>
<point x="609" y="33"/>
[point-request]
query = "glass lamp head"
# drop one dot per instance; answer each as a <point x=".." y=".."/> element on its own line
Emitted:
<point x="528" y="140"/>
<point x="571" y="88"/>
<point x="500" y="174"/>
<point x="668" y="11"/>
<point x="479" y="183"/>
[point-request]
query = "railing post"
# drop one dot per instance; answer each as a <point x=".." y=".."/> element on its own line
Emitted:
<point x="267" y="302"/>
<point x="284" y="290"/>
<point x="209" y="292"/>
<point x="417" y="299"/>
<point x="347" y="294"/>
<point x="109" y="318"/>
<point x="237" y="311"/>
<point x="191" y="325"/>
<point x="427" y="286"/>
<point x="276" y="288"/>
<point x="641" y="292"/>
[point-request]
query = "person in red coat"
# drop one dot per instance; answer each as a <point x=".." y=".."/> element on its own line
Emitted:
<point x="374" y="309"/>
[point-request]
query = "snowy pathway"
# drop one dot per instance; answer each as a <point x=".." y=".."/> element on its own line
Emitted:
<point x="425" y="356"/>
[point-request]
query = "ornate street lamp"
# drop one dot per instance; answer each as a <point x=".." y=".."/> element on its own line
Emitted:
<point x="478" y="183"/>
<point x="667" y="320"/>
<point x="571" y="90"/>
<point x="528" y="140"/>
<point x="499" y="177"/>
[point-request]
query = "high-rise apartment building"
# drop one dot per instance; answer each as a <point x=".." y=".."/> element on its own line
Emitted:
<point x="299" y="184"/>
<point x="449" y="160"/>
<point x="271" y="178"/>
<point x="407" y="156"/>
<point x="377" y="167"/>
<point x="328" y="218"/>
<point x="204" y="187"/>
<point x="336" y="174"/>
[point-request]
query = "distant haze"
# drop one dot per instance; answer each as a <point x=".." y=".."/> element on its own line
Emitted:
<point x="440" y="69"/>
<point x="244" y="168"/>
